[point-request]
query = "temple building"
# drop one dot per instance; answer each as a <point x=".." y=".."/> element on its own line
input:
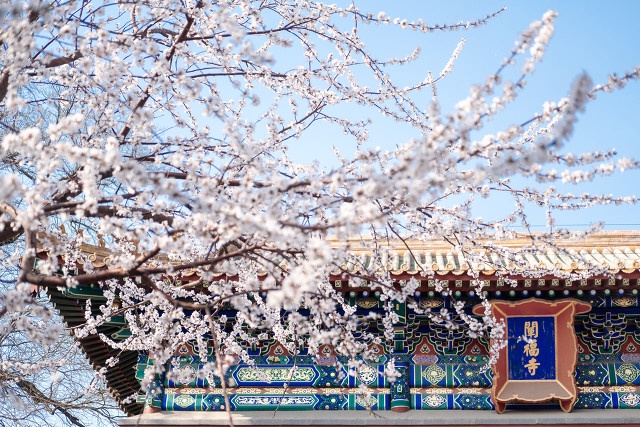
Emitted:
<point x="572" y="356"/>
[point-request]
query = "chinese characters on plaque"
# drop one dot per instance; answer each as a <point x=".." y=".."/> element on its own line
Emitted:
<point x="531" y="348"/>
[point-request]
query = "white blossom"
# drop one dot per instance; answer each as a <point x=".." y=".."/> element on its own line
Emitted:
<point x="167" y="138"/>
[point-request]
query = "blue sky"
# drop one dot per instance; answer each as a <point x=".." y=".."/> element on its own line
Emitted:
<point x="594" y="37"/>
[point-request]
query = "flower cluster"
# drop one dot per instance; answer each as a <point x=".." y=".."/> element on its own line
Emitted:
<point x="165" y="135"/>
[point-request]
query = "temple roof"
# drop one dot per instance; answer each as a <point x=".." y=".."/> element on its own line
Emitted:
<point x="120" y="379"/>
<point x="613" y="252"/>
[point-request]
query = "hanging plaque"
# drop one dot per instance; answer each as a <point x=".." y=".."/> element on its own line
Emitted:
<point x="538" y="362"/>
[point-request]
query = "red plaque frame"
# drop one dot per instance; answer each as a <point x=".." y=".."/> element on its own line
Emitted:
<point x="563" y="387"/>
